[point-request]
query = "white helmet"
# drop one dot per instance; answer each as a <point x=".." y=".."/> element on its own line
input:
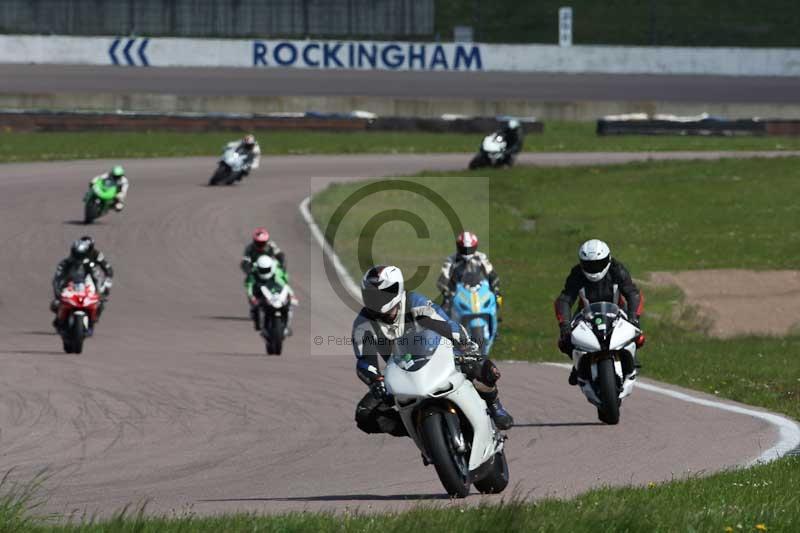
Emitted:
<point x="265" y="267"/>
<point x="382" y="291"/>
<point x="513" y="124"/>
<point x="595" y="257"/>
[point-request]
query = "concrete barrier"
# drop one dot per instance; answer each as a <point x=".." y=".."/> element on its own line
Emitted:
<point x="586" y="111"/>
<point x="374" y="55"/>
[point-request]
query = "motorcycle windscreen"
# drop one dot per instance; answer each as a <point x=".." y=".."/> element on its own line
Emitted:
<point x="601" y="319"/>
<point x="414" y="349"/>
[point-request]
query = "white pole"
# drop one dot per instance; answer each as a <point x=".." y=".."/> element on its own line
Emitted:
<point x="565" y="26"/>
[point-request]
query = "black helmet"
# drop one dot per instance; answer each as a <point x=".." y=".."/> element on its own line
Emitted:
<point x="82" y="247"/>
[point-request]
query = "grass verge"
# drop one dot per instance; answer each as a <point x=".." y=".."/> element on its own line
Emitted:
<point x="558" y="137"/>
<point x="744" y="500"/>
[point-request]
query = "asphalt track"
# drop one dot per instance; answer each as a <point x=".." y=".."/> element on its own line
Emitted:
<point x="174" y="401"/>
<point x="50" y="79"/>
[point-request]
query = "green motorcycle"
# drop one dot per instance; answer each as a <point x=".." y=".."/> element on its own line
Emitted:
<point x="99" y="199"/>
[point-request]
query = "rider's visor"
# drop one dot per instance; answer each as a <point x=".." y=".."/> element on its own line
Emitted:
<point x="377" y="299"/>
<point x="594" y="267"/>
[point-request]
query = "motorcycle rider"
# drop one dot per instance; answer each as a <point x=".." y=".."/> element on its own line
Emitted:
<point x="82" y="255"/>
<point x="266" y="272"/>
<point x="597" y="273"/>
<point x="388" y="312"/>
<point x="117" y="173"/>
<point x="260" y="245"/>
<point x="248" y="147"/>
<point x="466" y="257"/>
<point x="512" y="133"/>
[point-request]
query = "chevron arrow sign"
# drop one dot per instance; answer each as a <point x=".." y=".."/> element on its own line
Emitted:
<point x="129" y="53"/>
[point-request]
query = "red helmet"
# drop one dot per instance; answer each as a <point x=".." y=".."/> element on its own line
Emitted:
<point x="467" y="243"/>
<point x="260" y="238"/>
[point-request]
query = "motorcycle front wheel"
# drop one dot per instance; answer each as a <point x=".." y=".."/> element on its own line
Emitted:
<point x="76" y="334"/>
<point x="276" y="335"/>
<point x="219" y="175"/>
<point x="608" y="412"/>
<point x="91" y="211"/>
<point x="450" y="465"/>
<point x="480" y="160"/>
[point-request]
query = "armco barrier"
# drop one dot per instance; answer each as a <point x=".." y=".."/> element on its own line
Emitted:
<point x="701" y="126"/>
<point x="680" y="126"/>
<point x="39" y="120"/>
<point x="142" y="51"/>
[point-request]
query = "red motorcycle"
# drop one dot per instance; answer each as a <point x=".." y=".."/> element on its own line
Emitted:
<point x="77" y="313"/>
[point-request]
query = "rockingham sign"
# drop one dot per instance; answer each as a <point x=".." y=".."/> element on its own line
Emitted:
<point x="144" y="52"/>
<point x="367" y="55"/>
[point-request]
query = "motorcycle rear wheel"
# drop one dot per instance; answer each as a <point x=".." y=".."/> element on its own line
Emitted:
<point x="497" y="480"/>
<point x="608" y="412"/>
<point x="436" y="437"/>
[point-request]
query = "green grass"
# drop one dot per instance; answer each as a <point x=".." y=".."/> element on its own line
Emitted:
<point x="656" y="216"/>
<point x="628" y="22"/>
<point x="741" y="500"/>
<point x="558" y="137"/>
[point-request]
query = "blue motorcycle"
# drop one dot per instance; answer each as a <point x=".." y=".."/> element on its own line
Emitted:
<point x="474" y="305"/>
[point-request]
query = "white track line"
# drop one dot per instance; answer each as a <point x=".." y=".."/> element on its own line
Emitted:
<point x="788" y="429"/>
<point x="327" y="249"/>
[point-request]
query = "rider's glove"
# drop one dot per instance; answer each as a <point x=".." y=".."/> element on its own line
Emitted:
<point x="253" y="301"/>
<point x="378" y="389"/>
<point x="471" y="348"/>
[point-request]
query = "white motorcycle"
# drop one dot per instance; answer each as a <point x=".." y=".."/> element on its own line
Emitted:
<point x="275" y="304"/>
<point x="444" y="415"/>
<point x="603" y="355"/>
<point x="232" y="166"/>
<point x="493" y="152"/>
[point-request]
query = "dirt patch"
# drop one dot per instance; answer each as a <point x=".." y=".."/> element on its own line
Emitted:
<point x="740" y="302"/>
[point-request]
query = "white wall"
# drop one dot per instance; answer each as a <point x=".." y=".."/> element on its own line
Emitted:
<point x="163" y="52"/>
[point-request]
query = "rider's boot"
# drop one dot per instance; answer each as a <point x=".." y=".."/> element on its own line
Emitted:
<point x="287" y="331"/>
<point x="573" y="377"/>
<point x="502" y="418"/>
<point x="254" y="317"/>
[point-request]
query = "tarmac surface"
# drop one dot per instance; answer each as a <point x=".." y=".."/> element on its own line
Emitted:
<point x="174" y="401"/>
<point x="52" y="79"/>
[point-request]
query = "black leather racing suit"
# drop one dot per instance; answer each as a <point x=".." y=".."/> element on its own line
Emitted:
<point x="600" y="291"/>
<point x="513" y="139"/>
<point x="69" y="265"/>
